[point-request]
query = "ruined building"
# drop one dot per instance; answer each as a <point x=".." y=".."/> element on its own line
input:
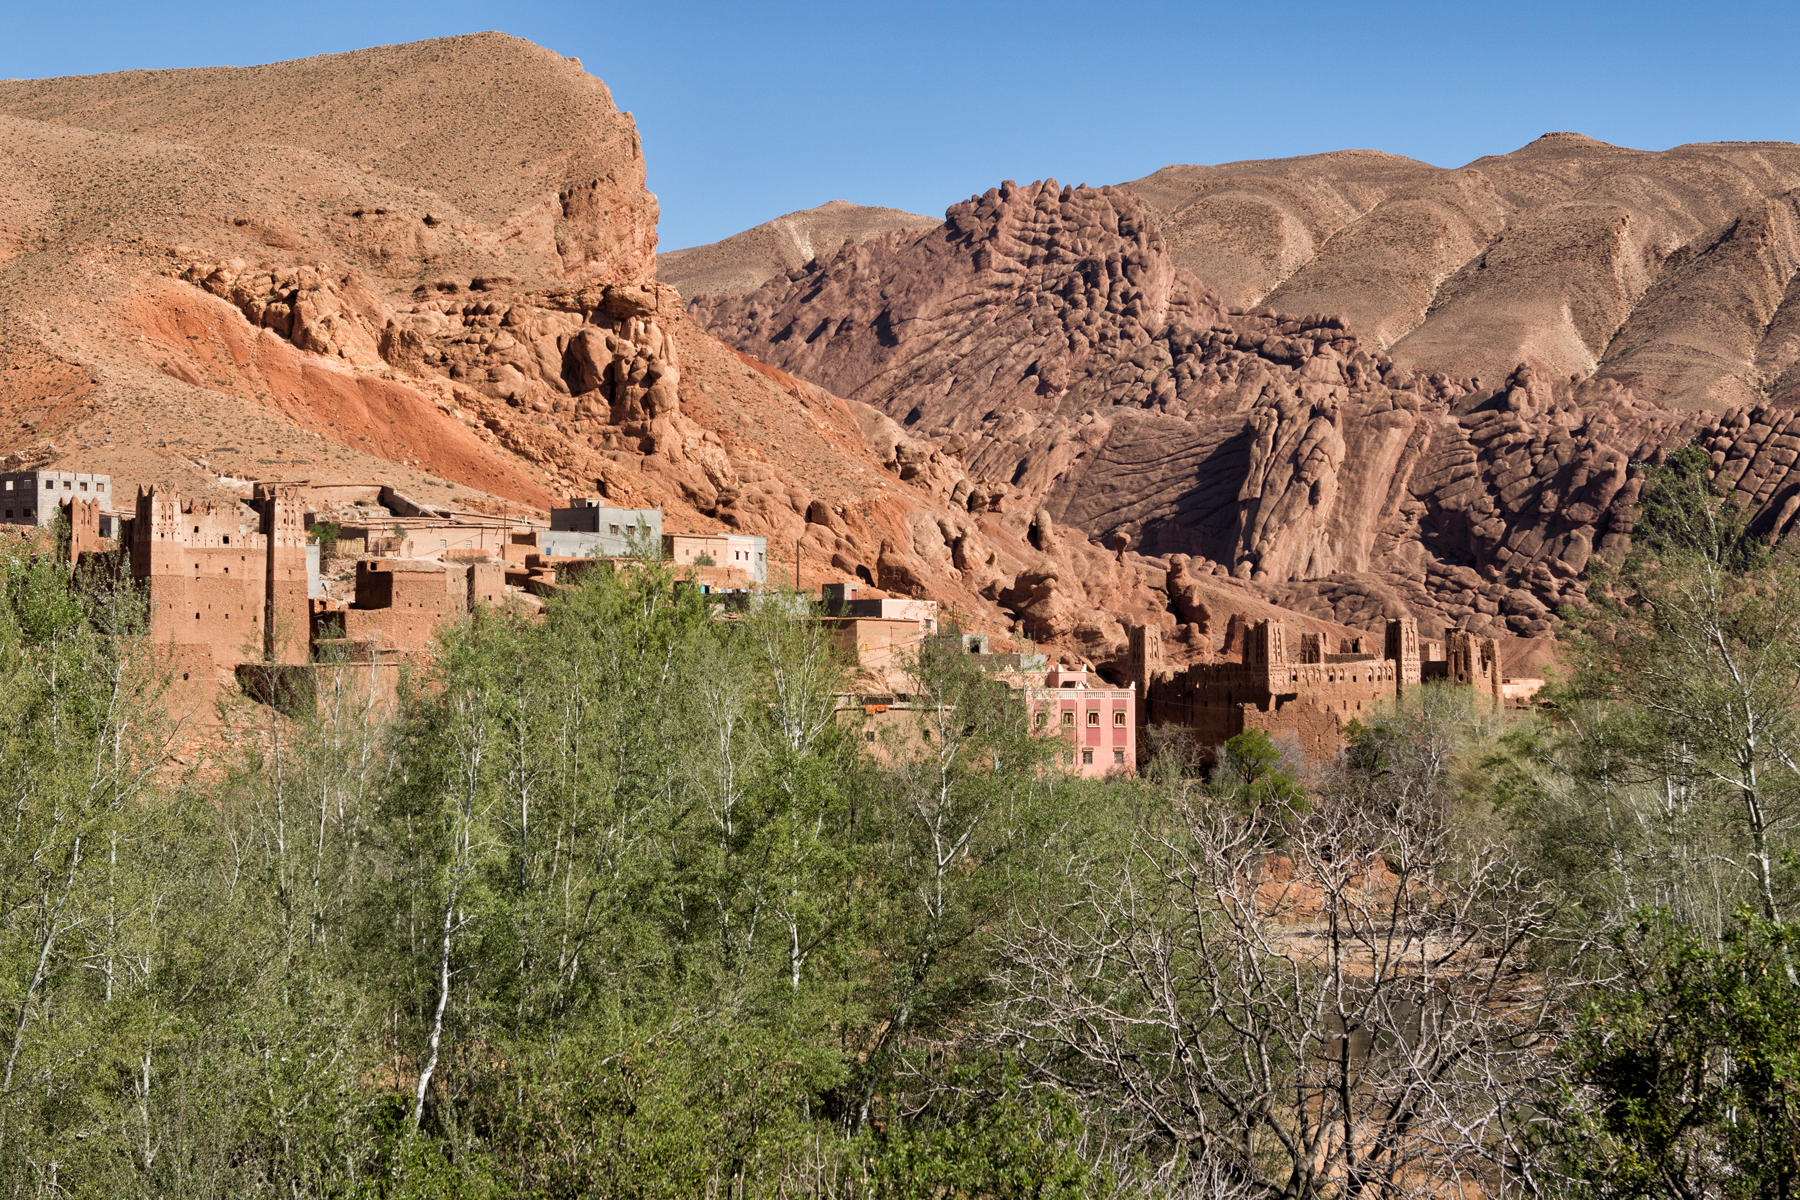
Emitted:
<point x="227" y="583"/>
<point x="1305" y="691"/>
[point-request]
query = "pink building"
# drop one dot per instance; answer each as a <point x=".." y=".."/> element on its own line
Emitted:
<point x="1099" y="721"/>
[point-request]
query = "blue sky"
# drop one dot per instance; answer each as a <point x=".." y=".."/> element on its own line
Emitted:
<point x="751" y="110"/>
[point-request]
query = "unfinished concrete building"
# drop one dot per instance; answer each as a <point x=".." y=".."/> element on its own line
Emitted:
<point x="33" y="497"/>
<point x="1305" y="692"/>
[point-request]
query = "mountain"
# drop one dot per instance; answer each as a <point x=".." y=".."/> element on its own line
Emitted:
<point x="1050" y="337"/>
<point x="744" y="261"/>
<point x="1671" y="273"/>
<point x="433" y="265"/>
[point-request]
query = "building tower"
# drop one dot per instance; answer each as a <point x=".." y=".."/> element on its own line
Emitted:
<point x="1143" y="664"/>
<point x="1402" y="650"/>
<point x="1265" y="653"/>
<point x="286" y="615"/>
<point x="1474" y="662"/>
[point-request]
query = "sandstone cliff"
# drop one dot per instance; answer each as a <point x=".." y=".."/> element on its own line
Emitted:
<point x="1049" y="337"/>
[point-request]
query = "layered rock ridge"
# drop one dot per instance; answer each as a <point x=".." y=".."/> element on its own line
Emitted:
<point x="1046" y="335"/>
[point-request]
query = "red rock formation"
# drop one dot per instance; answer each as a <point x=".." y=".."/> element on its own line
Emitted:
<point x="1046" y="336"/>
<point x="445" y="282"/>
<point x="1669" y="272"/>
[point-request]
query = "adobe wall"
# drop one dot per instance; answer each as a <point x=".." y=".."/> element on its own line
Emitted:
<point x="84" y="529"/>
<point x="400" y="603"/>
<point x="194" y="680"/>
<point x="390" y="628"/>
<point x="204" y="567"/>
<point x="1317" y="728"/>
<point x="487" y="584"/>
<point x="286" y="585"/>
<point x="1310" y="695"/>
<point x="874" y="643"/>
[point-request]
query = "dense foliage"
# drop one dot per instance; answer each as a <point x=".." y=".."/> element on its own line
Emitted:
<point x="616" y="902"/>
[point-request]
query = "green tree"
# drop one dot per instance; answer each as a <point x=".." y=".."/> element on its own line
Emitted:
<point x="1681" y="711"/>
<point x="965" y="792"/>
<point x="1252" y="775"/>
<point x="1688" y="1068"/>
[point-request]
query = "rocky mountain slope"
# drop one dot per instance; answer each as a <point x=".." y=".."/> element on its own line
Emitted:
<point x="433" y="265"/>
<point x="747" y="260"/>
<point x="1671" y="273"/>
<point x="1050" y="338"/>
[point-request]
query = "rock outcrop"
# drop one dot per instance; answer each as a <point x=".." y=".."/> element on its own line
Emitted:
<point x="1047" y="336"/>
<point x="202" y="283"/>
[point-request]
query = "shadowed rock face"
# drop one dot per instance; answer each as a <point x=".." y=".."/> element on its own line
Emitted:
<point x="1048" y="337"/>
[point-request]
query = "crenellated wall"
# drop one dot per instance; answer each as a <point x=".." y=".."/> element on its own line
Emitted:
<point x="1309" y="698"/>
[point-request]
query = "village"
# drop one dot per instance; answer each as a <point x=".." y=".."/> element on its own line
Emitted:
<point x="253" y="596"/>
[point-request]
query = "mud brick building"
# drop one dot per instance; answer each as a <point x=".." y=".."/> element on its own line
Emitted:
<point x="1305" y="691"/>
<point x="736" y="552"/>
<point x="227" y="584"/>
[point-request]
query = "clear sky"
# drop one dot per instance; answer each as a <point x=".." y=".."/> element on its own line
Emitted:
<point x="749" y="110"/>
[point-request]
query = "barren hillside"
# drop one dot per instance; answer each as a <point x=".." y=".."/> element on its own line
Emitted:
<point x="746" y="260"/>
<point x="433" y="265"/>
<point x="1670" y="273"/>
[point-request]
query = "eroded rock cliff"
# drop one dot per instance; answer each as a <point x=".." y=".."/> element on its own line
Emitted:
<point x="1046" y="335"/>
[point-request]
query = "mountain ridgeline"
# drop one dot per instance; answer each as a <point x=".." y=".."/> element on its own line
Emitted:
<point x="1058" y="340"/>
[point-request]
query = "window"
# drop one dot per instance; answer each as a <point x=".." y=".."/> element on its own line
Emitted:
<point x="49" y="485"/>
<point x="1068" y="758"/>
<point x="1068" y="718"/>
<point x="228" y="539"/>
<point x="9" y="485"/>
<point x="614" y="529"/>
<point x="99" y="487"/>
<point x="1043" y="719"/>
<point x="1118" y="716"/>
<point x="1093" y="717"/>
<point x="1087" y="758"/>
<point x="1118" y="757"/>
<point x="68" y="485"/>
<point x="84" y="487"/>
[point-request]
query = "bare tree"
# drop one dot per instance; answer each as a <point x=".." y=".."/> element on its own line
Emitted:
<point x="1356" y="1014"/>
